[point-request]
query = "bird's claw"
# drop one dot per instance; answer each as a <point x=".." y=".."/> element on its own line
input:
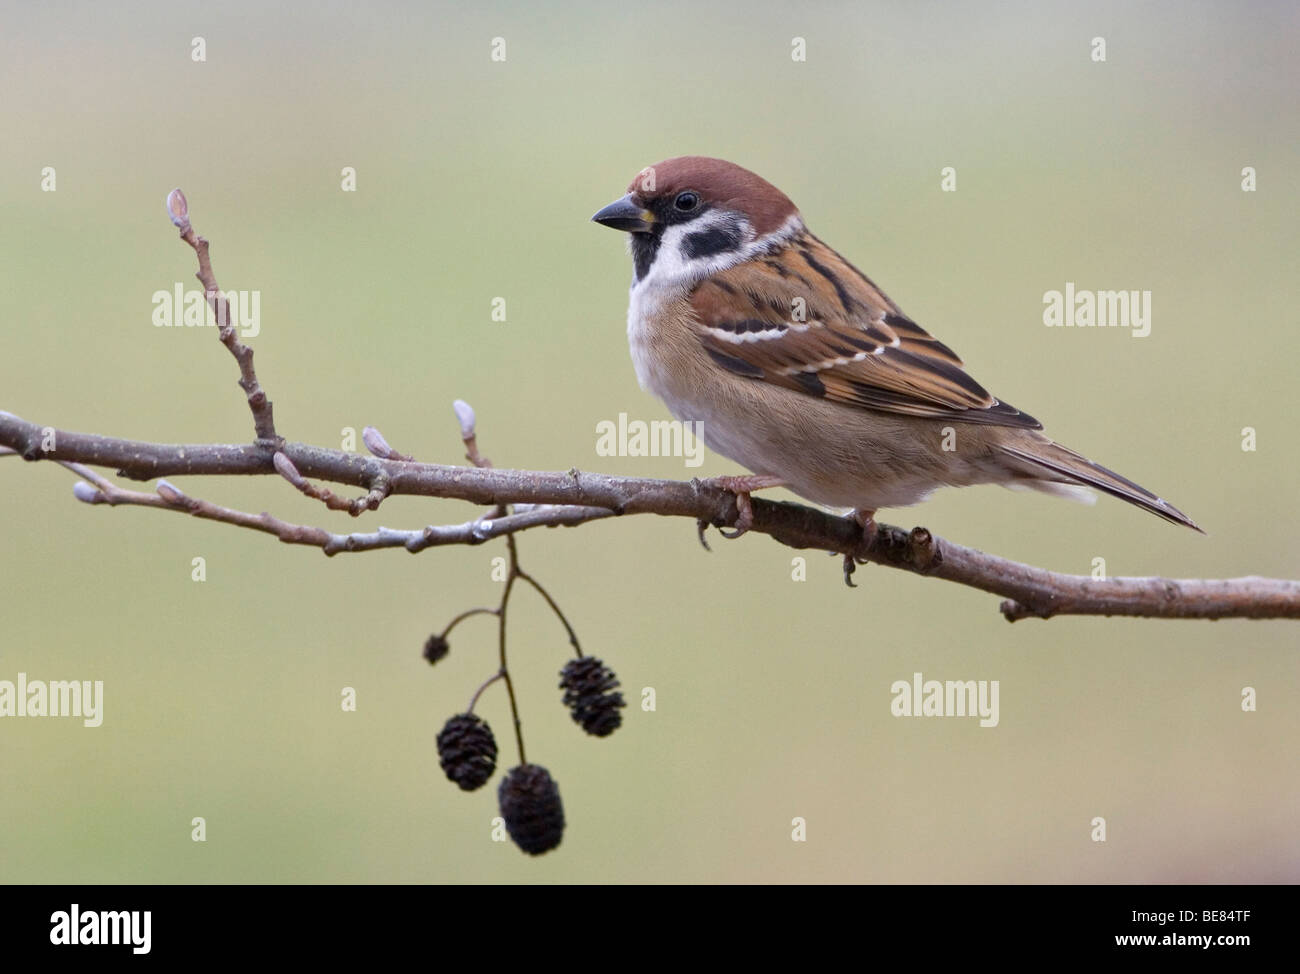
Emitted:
<point x="850" y="566"/>
<point x="744" y="516"/>
<point x="867" y="521"/>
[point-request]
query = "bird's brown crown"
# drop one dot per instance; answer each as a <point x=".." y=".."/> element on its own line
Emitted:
<point x="718" y="182"/>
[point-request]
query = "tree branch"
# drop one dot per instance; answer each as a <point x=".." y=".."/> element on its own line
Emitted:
<point x="573" y="498"/>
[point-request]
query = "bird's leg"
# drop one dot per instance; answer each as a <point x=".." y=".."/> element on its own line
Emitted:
<point x="741" y="487"/>
<point x="867" y="521"/>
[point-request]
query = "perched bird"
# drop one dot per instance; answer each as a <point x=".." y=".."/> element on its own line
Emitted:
<point x="799" y="368"/>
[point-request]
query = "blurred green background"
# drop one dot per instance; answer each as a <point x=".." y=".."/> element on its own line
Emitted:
<point x="476" y="180"/>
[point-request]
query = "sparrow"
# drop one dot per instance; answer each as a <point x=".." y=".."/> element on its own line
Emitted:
<point x="799" y="368"/>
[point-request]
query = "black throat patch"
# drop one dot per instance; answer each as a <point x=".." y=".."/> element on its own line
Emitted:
<point x="645" y="247"/>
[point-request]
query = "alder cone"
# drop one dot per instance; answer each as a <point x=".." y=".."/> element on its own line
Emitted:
<point x="435" y="648"/>
<point x="467" y="751"/>
<point x="590" y="694"/>
<point x="530" y="804"/>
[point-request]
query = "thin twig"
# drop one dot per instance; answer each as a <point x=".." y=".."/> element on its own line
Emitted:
<point x="368" y="501"/>
<point x="501" y="643"/>
<point x="171" y="498"/>
<point x="573" y="636"/>
<point x="178" y="209"/>
<point x="473" y="701"/>
<point x="468" y="613"/>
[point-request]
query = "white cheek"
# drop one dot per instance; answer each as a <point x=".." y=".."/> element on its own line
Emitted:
<point x="673" y="274"/>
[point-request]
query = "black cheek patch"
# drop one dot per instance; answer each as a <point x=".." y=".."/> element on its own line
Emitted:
<point x="706" y="243"/>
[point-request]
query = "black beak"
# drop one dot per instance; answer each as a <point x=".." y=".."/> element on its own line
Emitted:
<point x="626" y="214"/>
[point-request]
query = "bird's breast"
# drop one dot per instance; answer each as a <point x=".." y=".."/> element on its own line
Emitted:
<point x="658" y="326"/>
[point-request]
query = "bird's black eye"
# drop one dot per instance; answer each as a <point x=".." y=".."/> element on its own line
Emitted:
<point x="686" y="201"/>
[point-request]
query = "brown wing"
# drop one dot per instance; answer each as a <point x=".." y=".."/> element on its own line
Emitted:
<point x="846" y="342"/>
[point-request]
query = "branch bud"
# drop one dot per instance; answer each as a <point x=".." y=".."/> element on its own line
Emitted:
<point x="376" y="444"/>
<point x="170" y="493"/>
<point x="87" y="494"/>
<point x="178" y="208"/>
<point x="285" y="468"/>
<point x="465" y="415"/>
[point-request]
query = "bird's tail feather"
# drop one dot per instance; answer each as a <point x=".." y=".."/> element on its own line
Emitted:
<point x="1056" y="464"/>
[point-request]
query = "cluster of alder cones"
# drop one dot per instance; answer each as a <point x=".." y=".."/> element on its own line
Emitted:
<point x="528" y="796"/>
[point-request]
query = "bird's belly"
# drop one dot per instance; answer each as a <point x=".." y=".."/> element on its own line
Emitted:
<point x="863" y="461"/>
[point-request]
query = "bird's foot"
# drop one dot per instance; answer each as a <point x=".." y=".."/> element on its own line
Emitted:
<point x="742" y="487"/>
<point x="867" y="521"/>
